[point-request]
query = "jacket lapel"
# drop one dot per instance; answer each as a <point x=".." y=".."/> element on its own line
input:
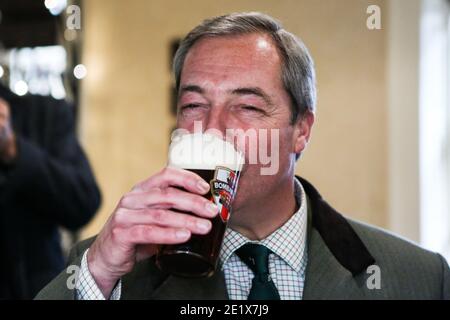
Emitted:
<point x="336" y="232"/>
<point x="337" y="258"/>
<point x="325" y="278"/>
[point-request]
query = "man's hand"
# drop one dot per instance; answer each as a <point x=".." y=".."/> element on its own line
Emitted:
<point x="145" y="217"/>
<point x="8" y="149"/>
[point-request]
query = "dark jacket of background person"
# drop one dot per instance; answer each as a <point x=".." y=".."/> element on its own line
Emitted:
<point x="50" y="184"/>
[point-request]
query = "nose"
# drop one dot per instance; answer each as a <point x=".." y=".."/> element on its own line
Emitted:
<point x="216" y="119"/>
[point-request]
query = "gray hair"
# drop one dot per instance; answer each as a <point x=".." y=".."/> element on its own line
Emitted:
<point x="297" y="68"/>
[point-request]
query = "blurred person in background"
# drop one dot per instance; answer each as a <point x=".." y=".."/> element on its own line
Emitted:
<point x="45" y="182"/>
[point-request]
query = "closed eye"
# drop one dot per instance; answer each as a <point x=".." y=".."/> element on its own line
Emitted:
<point x="251" y="108"/>
<point x="190" y="106"/>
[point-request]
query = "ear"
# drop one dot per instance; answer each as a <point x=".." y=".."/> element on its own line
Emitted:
<point x="302" y="132"/>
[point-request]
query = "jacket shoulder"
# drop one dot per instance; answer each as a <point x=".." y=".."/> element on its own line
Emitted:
<point x="79" y="248"/>
<point x="62" y="287"/>
<point x="381" y="240"/>
<point x="404" y="265"/>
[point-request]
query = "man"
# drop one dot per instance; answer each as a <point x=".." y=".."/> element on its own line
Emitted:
<point x="243" y="71"/>
<point x="45" y="182"/>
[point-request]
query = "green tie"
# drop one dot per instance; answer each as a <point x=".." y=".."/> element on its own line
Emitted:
<point x="256" y="257"/>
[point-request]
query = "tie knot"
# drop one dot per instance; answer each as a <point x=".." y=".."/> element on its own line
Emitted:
<point x="256" y="257"/>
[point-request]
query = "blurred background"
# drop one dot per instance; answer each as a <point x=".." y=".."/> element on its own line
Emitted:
<point x="380" y="150"/>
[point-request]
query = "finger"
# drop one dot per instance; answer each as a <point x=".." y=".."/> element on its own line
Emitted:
<point x="174" y="177"/>
<point x="144" y="234"/>
<point x="170" y="198"/>
<point x="164" y="218"/>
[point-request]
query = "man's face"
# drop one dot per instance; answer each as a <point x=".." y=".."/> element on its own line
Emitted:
<point x="234" y="82"/>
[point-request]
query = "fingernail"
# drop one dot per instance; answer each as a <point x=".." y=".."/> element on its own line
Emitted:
<point x="182" y="234"/>
<point x="204" y="225"/>
<point x="202" y="186"/>
<point x="212" y="208"/>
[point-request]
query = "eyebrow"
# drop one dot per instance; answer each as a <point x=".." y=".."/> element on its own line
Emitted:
<point x="191" y="88"/>
<point x="256" y="91"/>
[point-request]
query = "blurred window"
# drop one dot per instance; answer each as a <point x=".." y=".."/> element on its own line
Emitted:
<point x="38" y="70"/>
<point x="434" y="115"/>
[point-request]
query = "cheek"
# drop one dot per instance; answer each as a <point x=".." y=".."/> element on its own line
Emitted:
<point x="262" y="145"/>
<point x="190" y="124"/>
<point x="183" y="124"/>
<point x="276" y="142"/>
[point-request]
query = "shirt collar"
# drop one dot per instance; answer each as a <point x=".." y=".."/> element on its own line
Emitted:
<point x="288" y="242"/>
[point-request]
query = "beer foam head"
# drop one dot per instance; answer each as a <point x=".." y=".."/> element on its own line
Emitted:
<point x="203" y="151"/>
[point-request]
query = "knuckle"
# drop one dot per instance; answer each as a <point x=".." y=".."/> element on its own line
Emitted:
<point x="200" y="202"/>
<point x="164" y="192"/>
<point x="115" y="234"/>
<point x="123" y="201"/>
<point x="119" y="217"/>
<point x="189" y="222"/>
<point x="164" y="195"/>
<point x="138" y="186"/>
<point x="169" y="195"/>
<point x="135" y="232"/>
<point x="141" y="232"/>
<point x="159" y="215"/>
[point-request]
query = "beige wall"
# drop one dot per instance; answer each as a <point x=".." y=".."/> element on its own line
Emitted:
<point x="125" y="118"/>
